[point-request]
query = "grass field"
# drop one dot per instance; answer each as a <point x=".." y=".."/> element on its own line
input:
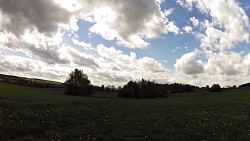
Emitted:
<point x="45" y="114"/>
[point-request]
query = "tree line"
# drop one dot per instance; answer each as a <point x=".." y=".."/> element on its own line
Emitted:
<point x="79" y="84"/>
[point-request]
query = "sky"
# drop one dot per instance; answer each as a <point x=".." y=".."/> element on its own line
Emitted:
<point x="198" y="42"/>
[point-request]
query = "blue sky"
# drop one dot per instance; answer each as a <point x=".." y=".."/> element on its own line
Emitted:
<point x="197" y="42"/>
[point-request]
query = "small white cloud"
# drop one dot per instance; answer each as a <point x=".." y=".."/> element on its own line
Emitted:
<point x="171" y="27"/>
<point x="187" y="4"/>
<point x="194" y="21"/>
<point x="177" y="48"/>
<point x="168" y="12"/>
<point x="188" y="29"/>
<point x="86" y="46"/>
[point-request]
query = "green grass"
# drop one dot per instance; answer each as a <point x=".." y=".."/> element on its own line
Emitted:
<point x="45" y="114"/>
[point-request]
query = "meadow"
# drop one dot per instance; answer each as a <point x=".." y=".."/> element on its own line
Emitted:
<point x="46" y="114"/>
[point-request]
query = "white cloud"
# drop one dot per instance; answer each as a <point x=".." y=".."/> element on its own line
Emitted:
<point x="80" y="58"/>
<point x="171" y="27"/>
<point x="33" y="27"/>
<point x="200" y="4"/>
<point x="177" y="48"/>
<point x="225" y="68"/>
<point x="168" y="12"/>
<point x="2" y="60"/>
<point x="229" y="25"/>
<point x="188" y="29"/>
<point x="132" y="67"/>
<point x="151" y="65"/>
<point x="16" y="65"/>
<point x="223" y="63"/>
<point x="35" y="44"/>
<point x="109" y="53"/>
<point x="189" y="65"/>
<point x="194" y="21"/>
<point x="129" y="22"/>
<point x="246" y="63"/>
<point x="27" y="67"/>
<point x="206" y="79"/>
<point x="41" y="15"/>
<point x="48" y="50"/>
<point x="86" y="46"/>
<point x="226" y="26"/>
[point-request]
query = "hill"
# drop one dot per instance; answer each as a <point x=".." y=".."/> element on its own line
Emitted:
<point x="247" y="85"/>
<point x="32" y="82"/>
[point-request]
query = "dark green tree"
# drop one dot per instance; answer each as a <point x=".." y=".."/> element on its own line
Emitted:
<point x="140" y="89"/>
<point x="215" y="88"/>
<point x="102" y="88"/>
<point x="77" y="83"/>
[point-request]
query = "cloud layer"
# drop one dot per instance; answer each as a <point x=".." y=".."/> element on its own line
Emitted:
<point x="42" y="37"/>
